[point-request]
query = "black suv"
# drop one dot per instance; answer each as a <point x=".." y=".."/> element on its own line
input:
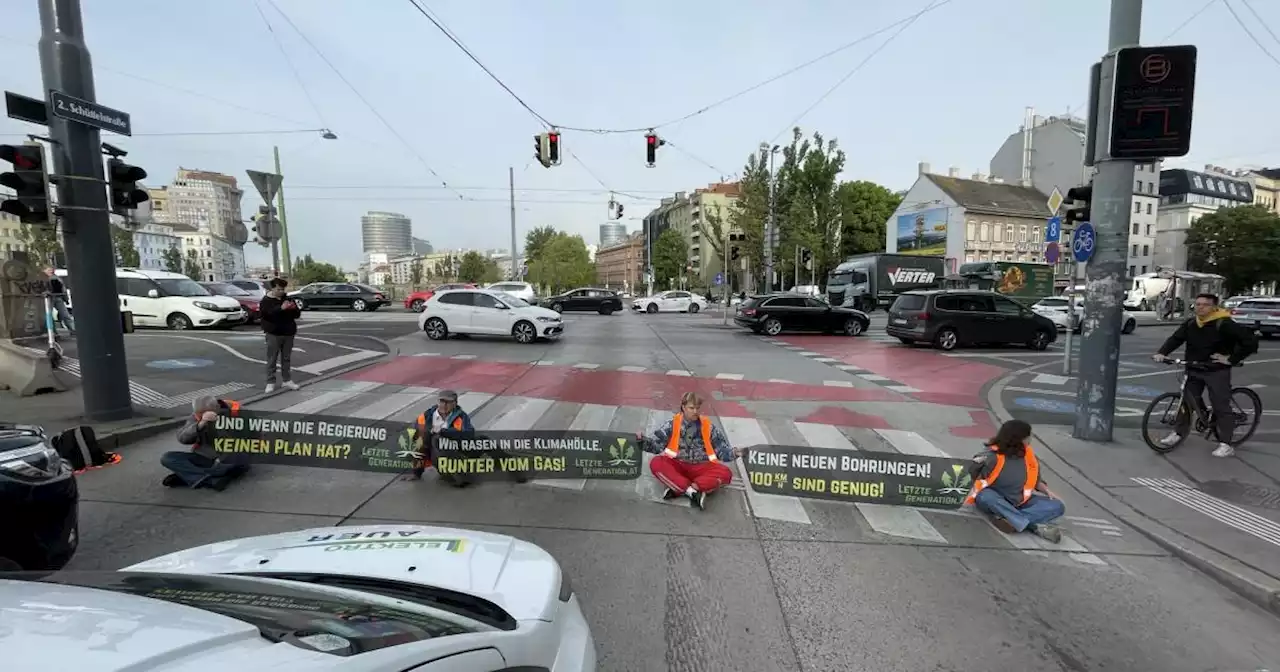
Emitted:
<point x="774" y="313"/>
<point x="948" y="318"/>
<point x="603" y="301"/>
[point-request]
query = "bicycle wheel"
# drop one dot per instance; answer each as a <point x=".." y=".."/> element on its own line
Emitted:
<point x="1247" y="407"/>
<point x="1162" y="417"/>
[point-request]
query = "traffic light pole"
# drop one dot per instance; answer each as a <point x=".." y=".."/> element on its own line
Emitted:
<point x="770" y="226"/>
<point x="511" y="182"/>
<point x="284" y="227"/>
<point x="1104" y="288"/>
<point x="65" y="66"/>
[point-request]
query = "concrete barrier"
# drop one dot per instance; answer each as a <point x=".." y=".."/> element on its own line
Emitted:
<point x="27" y="373"/>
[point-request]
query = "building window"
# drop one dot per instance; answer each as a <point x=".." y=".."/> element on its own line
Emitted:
<point x="1148" y="208"/>
<point x="1146" y="250"/>
<point x="995" y="234"/>
<point x="1134" y="253"/>
<point x="1144" y="269"/>
<point x="1135" y="228"/>
<point x="984" y="233"/>
<point x="1022" y="233"/>
<point x="1137" y="185"/>
<point x="1137" y="207"/>
<point x="1008" y="233"/>
<point x="1133" y="268"/>
<point x="1148" y="229"/>
<point x="971" y="230"/>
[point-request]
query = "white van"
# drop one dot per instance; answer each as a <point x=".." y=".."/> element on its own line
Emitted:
<point x="164" y="299"/>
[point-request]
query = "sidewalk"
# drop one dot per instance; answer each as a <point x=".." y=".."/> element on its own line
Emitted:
<point x="58" y="411"/>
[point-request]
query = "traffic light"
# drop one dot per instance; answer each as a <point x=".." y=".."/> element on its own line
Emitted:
<point x="1077" y="200"/>
<point x="619" y="212"/>
<point x="805" y="257"/>
<point x="30" y="179"/>
<point x="264" y="225"/>
<point x="553" y="148"/>
<point x="651" y="144"/>
<point x="733" y="253"/>
<point x="122" y="181"/>
<point x="542" y="149"/>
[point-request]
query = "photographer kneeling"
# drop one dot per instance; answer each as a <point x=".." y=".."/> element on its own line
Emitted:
<point x="201" y="467"/>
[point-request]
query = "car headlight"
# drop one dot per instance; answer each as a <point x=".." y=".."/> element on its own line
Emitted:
<point x="548" y="319"/>
<point x="202" y="305"/>
<point x="34" y="463"/>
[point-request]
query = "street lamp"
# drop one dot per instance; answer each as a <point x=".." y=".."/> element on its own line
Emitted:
<point x="325" y="134"/>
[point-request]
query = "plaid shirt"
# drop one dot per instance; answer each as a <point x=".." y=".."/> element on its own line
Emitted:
<point x="691" y="449"/>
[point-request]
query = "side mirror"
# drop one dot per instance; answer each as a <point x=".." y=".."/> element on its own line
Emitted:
<point x="503" y="306"/>
<point x="153" y="293"/>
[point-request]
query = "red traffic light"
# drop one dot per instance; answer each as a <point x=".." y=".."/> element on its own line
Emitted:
<point x="555" y="137"/>
<point x="653" y="139"/>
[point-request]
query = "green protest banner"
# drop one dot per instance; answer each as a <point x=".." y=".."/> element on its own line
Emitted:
<point x="859" y="476"/>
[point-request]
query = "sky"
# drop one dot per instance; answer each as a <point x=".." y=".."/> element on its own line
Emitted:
<point x="423" y="131"/>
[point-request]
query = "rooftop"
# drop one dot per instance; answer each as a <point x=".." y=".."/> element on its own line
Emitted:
<point x="997" y="198"/>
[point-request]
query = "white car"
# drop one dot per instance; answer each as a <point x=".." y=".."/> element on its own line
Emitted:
<point x="163" y="299"/>
<point x="485" y="312"/>
<point x="1055" y="308"/>
<point x="348" y="599"/>
<point x="520" y="290"/>
<point x="675" y="301"/>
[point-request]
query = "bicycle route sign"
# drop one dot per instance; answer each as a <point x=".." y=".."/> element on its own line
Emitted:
<point x="1082" y="242"/>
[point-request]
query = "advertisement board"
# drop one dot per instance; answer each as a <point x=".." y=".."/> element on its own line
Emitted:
<point x="923" y="233"/>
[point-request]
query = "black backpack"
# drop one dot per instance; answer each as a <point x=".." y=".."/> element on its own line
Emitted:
<point x="79" y="446"/>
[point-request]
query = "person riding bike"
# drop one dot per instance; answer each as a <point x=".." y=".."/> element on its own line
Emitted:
<point x="1215" y="343"/>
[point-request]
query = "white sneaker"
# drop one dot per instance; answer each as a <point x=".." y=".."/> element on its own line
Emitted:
<point x="270" y="389"/>
<point x="1171" y="440"/>
<point x="1224" y="450"/>
<point x="290" y="385"/>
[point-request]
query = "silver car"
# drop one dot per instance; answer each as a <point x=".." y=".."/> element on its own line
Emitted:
<point x="1261" y="312"/>
<point x="520" y="290"/>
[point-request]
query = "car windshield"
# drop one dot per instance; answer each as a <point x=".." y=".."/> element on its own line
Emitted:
<point x="840" y="278"/>
<point x="226" y="289"/>
<point x="512" y="300"/>
<point x="182" y="287"/>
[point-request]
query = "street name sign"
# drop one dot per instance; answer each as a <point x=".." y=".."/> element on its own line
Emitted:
<point x="84" y="112"/>
<point x="1151" y="104"/>
<point x="25" y="108"/>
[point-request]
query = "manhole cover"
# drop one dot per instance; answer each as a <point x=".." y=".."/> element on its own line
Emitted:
<point x="1244" y="494"/>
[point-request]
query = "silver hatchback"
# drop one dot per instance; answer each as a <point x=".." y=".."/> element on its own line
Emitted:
<point x="1261" y="313"/>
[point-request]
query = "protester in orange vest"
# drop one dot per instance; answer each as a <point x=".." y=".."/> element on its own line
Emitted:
<point x="692" y="454"/>
<point x="447" y="417"/>
<point x="202" y="466"/>
<point x="1007" y="485"/>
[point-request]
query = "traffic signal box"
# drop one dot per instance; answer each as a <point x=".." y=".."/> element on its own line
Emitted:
<point x="122" y="180"/>
<point x="30" y="179"/>
<point x="1078" y="200"/>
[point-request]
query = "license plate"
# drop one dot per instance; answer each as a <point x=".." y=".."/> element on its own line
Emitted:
<point x="899" y="321"/>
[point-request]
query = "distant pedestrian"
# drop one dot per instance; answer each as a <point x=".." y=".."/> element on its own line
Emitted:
<point x="58" y="297"/>
<point x="280" y="325"/>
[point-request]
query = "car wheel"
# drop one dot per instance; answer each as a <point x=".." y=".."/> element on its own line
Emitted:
<point x="436" y="329"/>
<point x="653" y="308"/>
<point x="773" y="326"/>
<point x="946" y="339"/>
<point x="1041" y="340"/>
<point x="359" y="306"/>
<point x="854" y="327"/>
<point x="524" y="332"/>
<point x="1129" y="326"/>
<point x="559" y="308"/>
<point x="693" y="307"/>
<point x="178" y="322"/>
<point x="300" y="304"/>
<point x="606" y="310"/>
<point x="417" y="305"/>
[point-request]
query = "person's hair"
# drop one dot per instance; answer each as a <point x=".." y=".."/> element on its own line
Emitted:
<point x="1011" y="438"/>
<point x="1211" y="297"/>
<point x="203" y="404"/>
<point x="278" y="283"/>
<point x="691" y="399"/>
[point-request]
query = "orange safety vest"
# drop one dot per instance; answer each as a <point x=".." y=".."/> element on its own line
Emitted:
<point x="673" y="445"/>
<point x="1028" y="486"/>
<point x="232" y="406"/>
<point x="423" y="429"/>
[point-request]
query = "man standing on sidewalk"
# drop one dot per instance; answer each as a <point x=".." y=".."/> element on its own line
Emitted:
<point x="58" y="298"/>
<point x="280" y="325"/>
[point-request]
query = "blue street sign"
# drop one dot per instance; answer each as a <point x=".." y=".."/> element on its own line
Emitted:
<point x="1051" y="252"/>
<point x="719" y="279"/>
<point x="1082" y="242"/>
<point x="1053" y="230"/>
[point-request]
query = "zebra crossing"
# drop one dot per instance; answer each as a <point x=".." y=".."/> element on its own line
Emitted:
<point x="145" y="396"/>
<point x="895" y="524"/>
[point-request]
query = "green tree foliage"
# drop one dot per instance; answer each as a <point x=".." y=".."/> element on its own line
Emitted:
<point x="415" y="275"/>
<point x="307" y="270"/>
<point x="125" y="248"/>
<point x="807" y="206"/>
<point x="670" y="255"/>
<point x="40" y="241"/>
<point x="561" y="263"/>
<point x="172" y="258"/>
<point x="864" y="209"/>
<point x="492" y="272"/>
<point x="472" y="267"/>
<point x="536" y="239"/>
<point x="443" y="269"/>
<point x="191" y="265"/>
<point x="1237" y="243"/>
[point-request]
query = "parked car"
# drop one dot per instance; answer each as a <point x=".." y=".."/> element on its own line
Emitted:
<point x="39" y="530"/>
<point x="396" y="597"/>
<point x="247" y="301"/>
<point x="415" y="300"/>
<point x="675" y="301"/>
<point x="321" y="295"/>
<point x="1055" y="308"/>
<point x="603" y="301"/>
<point x="482" y="312"/>
<point x="256" y="288"/>
<point x="164" y="299"/>
<point x="520" y="290"/>
<point x="1260" y="312"/>
<point x="948" y="318"/>
<point x="1234" y="301"/>
<point x="773" y="314"/>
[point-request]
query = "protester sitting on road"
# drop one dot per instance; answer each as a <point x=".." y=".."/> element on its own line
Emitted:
<point x="202" y="466"/>
<point x="445" y="418"/>
<point x="280" y="325"/>
<point x="1008" y="488"/>
<point x="692" y="454"/>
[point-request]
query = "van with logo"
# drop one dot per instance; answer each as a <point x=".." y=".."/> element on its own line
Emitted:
<point x="1028" y="282"/>
<point x="869" y="281"/>
<point x="174" y="301"/>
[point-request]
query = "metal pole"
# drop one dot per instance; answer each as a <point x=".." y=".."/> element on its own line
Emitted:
<point x="511" y="179"/>
<point x="1071" y="319"/>
<point x="284" y="224"/>
<point x="728" y="286"/>
<point x="275" y="258"/>
<point x="65" y="66"/>
<point x="1104" y="288"/>
<point x="770" y="226"/>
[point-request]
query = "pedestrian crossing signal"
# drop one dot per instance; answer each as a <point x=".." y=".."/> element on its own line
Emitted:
<point x="122" y="180"/>
<point x="30" y="179"/>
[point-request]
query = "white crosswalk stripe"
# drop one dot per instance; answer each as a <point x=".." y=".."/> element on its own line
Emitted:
<point x="358" y="399"/>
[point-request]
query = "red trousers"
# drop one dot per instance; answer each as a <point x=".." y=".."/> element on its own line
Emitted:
<point x="676" y="475"/>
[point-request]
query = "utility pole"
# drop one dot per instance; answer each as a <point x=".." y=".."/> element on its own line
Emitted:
<point x="1104" y="289"/>
<point x="728" y="286"/>
<point x="65" y="66"/>
<point x="771" y="225"/>
<point x="284" y="226"/>
<point x="511" y="179"/>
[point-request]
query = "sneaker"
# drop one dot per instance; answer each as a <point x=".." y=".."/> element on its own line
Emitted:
<point x="270" y="388"/>
<point x="173" y="481"/>
<point x="290" y="385"/>
<point x="1050" y="533"/>
<point x="1171" y="440"/>
<point x="1003" y="525"/>
<point x="1224" y="450"/>
<point x="670" y="495"/>
<point x="698" y="500"/>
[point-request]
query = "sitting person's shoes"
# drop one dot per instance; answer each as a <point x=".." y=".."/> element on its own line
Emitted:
<point x="671" y="494"/>
<point x="173" y="481"/>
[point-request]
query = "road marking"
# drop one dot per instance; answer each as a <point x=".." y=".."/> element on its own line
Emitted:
<point x="353" y="388"/>
<point x="320" y="367"/>
<point x="781" y="380"/>
<point x="386" y="407"/>
<point x="828" y="360"/>
<point x="1064" y="393"/>
<point x="224" y="346"/>
<point x="590" y="418"/>
<point x="1174" y="369"/>
<point x="729" y="376"/>
<point x="806" y="353"/>
<point x="747" y="432"/>
<point x="1222" y="511"/>
<point x="304" y="325"/>
<point x="1049" y="379"/>
<point x="631" y="369"/>
<point x="543" y="362"/>
<point x="903" y="389"/>
<point x="910" y="443"/>
<point x="188" y="397"/>
<point x="873" y="377"/>
<point x="838" y="383"/>
<point x="470" y="401"/>
<point x="679" y="372"/>
<point x="848" y="367"/>
<point x="138" y="393"/>
<point x="584" y="365"/>
<point x="427" y="354"/>
<point x="463" y="357"/>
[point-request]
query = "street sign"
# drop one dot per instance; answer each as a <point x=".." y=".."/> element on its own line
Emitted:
<point x="267" y="184"/>
<point x="1055" y="201"/>
<point x="1053" y="230"/>
<point x="719" y="279"/>
<point x="1151" y="105"/>
<point x="84" y="112"/>
<point x="25" y="108"/>
<point x="1082" y="242"/>
<point x="1051" y="253"/>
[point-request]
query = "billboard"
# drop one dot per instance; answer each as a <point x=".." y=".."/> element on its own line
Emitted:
<point x="923" y="233"/>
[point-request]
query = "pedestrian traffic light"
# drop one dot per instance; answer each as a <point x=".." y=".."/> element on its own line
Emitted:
<point x="651" y="144"/>
<point x="30" y="179"/>
<point x="122" y="182"/>
<point x="805" y="257"/>
<point x="1078" y="200"/>
<point x="553" y="148"/>
<point x="733" y="253"/>
<point x="264" y="225"/>
<point x="619" y="213"/>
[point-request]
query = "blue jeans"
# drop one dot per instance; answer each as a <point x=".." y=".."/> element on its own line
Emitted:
<point x="195" y="470"/>
<point x="1038" y="510"/>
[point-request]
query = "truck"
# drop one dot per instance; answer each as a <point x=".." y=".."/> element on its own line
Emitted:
<point x="868" y="281"/>
<point x="1026" y="281"/>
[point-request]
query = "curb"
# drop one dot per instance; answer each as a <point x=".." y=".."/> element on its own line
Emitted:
<point x="116" y="440"/>
<point x="1262" y="590"/>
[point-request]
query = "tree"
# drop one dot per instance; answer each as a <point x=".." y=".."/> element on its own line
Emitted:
<point x="307" y="270"/>
<point x="415" y="275"/>
<point x="806" y="203"/>
<point x="535" y="240"/>
<point x="172" y="258"/>
<point x="670" y="256"/>
<point x="191" y="265"/>
<point x="40" y="241"/>
<point x="125" y="248"/>
<point x="1237" y="243"/>
<point x="562" y="263"/>
<point x="492" y="272"/>
<point x="864" y="208"/>
<point x="472" y="267"/>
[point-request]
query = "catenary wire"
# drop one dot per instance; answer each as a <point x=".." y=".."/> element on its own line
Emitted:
<point x="1243" y="26"/>
<point x="175" y="134"/>
<point x="503" y="188"/>
<point x="694" y="157"/>
<point x="595" y="203"/>
<point x="289" y="62"/>
<point x="360" y="96"/>
<point x="1261" y="21"/>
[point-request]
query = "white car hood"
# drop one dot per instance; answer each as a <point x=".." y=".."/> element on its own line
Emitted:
<point x="222" y="301"/>
<point x="534" y="312"/>
<point x="519" y="577"/>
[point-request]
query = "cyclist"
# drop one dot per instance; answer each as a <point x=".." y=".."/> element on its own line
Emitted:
<point x="1214" y="343"/>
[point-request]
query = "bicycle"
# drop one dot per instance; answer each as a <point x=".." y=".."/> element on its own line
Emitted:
<point x="1204" y="421"/>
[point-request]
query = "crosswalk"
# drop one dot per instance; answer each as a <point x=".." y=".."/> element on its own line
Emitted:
<point x="378" y="401"/>
<point x="145" y="396"/>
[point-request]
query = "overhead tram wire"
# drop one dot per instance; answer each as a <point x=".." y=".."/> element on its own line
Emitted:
<point x="503" y="188"/>
<point x="1261" y="21"/>
<point x="297" y="77"/>
<point x="360" y="96"/>
<point x="175" y="134"/>
<point x="1245" y="28"/>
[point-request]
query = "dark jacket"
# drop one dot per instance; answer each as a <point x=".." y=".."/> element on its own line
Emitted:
<point x="276" y="319"/>
<point x="56" y="288"/>
<point x="199" y="437"/>
<point x="1216" y="334"/>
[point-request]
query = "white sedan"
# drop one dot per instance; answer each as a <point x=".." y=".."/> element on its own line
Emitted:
<point x="348" y="599"/>
<point x="675" y="301"/>
<point x="1055" y="308"/>
<point x="485" y="312"/>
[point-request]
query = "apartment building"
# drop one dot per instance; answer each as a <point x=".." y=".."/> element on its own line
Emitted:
<point x="204" y="210"/>
<point x="621" y="266"/>
<point x="689" y="213"/>
<point x="1186" y="196"/>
